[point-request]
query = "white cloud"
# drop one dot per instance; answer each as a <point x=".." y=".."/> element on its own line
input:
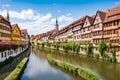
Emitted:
<point x="36" y="22"/>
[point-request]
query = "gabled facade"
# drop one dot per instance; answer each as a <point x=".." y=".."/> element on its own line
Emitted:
<point x="86" y="36"/>
<point x="24" y="36"/>
<point x="97" y="29"/>
<point x="111" y="28"/>
<point x="16" y="34"/>
<point x="5" y="29"/>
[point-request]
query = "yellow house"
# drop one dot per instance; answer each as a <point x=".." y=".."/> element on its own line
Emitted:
<point x="5" y="29"/>
<point x="16" y="34"/>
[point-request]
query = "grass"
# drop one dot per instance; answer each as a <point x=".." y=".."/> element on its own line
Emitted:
<point x="87" y="75"/>
<point x="69" y="67"/>
<point x="52" y="60"/>
<point x="17" y="70"/>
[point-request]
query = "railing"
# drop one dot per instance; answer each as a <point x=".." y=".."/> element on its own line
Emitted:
<point x="6" y="54"/>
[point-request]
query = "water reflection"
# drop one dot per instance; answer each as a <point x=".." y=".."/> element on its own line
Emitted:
<point x="106" y="70"/>
<point x="38" y="68"/>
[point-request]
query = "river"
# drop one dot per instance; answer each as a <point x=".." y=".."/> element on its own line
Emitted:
<point x="38" y="67"/>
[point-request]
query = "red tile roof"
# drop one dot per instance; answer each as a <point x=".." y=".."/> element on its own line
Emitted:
<point x="2" y="17"/>
<point x="112" y="14"/>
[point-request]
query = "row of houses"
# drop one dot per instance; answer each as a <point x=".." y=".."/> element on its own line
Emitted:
<point x="103" y="26"/>
<point x="12" y="32"/>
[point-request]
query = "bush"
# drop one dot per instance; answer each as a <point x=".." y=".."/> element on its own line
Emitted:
<point x="72" y="47"/>
<point x="56" y="46"/>
<point x="101" y="47"/>
<point x="69" y="67"/>
<point x="89" y="49"/>
<point x="43" y="44"/>
<point x="113" y="55"/>
<point x="96" y="56"/>
<point x="87" y="75"/>
<point x="52" y="60"/>
<point x="106" y="56"/>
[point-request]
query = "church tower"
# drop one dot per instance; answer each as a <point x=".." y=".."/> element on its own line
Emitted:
<point x="8" y="15"/>
<point x="56" y="25"/>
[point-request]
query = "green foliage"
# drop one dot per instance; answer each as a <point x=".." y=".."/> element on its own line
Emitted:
<point x="38" y="44"/>
<point x="113" y="55"/>
<point x="101" y="47"/>
<point x="17" y="70"/>
<point x="47" y="43"/>
<point x="43" y="44"/>
<point x="69" y="36"/>
<point x="87" y="75"/>
<point x="52" y="60"/>
<point x="69" y="67"/>
<point x="72" y="47"/>
<point x="32" y="43"/>
<point x="56" y="46"/>
<point x="106" y="57"/>
<point x="89" y="49"/>
<point x="96" y="56"/>
<point x="65" y="46"/>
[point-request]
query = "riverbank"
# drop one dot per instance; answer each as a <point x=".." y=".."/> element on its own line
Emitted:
<point x="73" y="69"/>
<point x="16" y="73"/>
<point x="105" y="57"/>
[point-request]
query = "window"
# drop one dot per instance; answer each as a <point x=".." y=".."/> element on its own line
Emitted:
<point x="116" y="22"/>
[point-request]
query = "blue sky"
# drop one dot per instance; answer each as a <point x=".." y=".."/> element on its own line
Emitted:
<point x="39" y="15"/>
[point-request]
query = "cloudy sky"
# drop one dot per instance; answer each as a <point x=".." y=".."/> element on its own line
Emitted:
<point x="38" y="16"/>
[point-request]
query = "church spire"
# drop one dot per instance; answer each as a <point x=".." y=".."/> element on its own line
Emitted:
<point x="8" y="15"/>
<point x="56" y="24"/>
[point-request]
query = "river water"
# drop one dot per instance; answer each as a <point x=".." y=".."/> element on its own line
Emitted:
<point x="38" y="68"/>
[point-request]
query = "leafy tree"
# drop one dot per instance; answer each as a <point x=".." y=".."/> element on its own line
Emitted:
<point x="101" y="47"/>
<point x="89" y="50"/>
<point x="114" y="55"/>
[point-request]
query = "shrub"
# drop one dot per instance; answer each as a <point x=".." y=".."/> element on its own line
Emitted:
<point x="72" y="47"/>
<point x="101" y="47"/>
<point x="87" y="75"/>
<point x="113" y="55"/>
<point x="96" y="56"/>
<point x="52" y="60"/>
<point x="43" y="44"/>
<point x="89" y="50"/>
<point x="56" y="46"/>
<point x="69" y="67"/>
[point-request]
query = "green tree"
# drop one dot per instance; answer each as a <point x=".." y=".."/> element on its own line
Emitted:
<point x="114" y="55"/>
<point x="101" y="47"/>
<point x="89" y="50"/>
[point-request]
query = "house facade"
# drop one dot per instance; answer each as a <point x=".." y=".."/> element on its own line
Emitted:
<point x="16" y="34"/>
<point x="5" y="29"/>
<point x="111" y="28"/>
